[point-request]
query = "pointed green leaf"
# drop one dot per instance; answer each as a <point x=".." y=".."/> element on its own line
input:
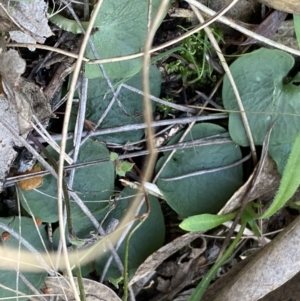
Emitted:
<point x="290" y="180"/>
<point x="204" y="222"/>
<point x="297" y="27"/>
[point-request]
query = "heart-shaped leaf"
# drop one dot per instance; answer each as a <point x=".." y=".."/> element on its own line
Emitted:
<point x="268" y="96"/>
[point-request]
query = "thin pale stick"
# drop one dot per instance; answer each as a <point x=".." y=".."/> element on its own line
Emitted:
<point x="63" y="141"/>
<point x="137" y="126"/>
<point x="234" y="25"/>
<point x="206" y="171"/>
<point x="29" y="147"/>
<point x="233" y="85"/>
<point x="150" y="160"/>
<point x="188" y="144"/>
<point x="136" y="55"/>
<point x="161" y="101"/>
<point x="47" y="138"/>
<point x="45" y="47"/>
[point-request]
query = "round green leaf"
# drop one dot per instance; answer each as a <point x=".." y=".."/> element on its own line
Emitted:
<point x="145" y="240"/>
<point x="9" y="278"/>
<point x="123" y="27"/>
<point x="93" y="184"/>
<point x="268" y="96"/>
<point x="205" y="193"/>
<point x="128" y="111"/>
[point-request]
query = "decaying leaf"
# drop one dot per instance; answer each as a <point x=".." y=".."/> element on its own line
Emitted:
<point x="7" y="23"/>
<point x="11" y="67"/>
<point x="263" y="272"/>
<point x="26" y="95"/>
<point x="23" y="107"/>
<point x="7" y="141"/>
<point x="186" y="270"/>
<point x="40" y="105"/>
<point x="266" y="183"/>
<point x="19" y="100"/>
<point x="267" y="27"/>
<point x="29" y="17"/>
<point x="260" y="182"/>
<point x="153" y="261"/>
<point x="61" y="290"/>
<point x="289" y="291"/>
<point x="289" y="6"/>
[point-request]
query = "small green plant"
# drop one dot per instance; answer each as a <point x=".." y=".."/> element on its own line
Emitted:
<point x="191" y="61"/>
<point x="165" y="110"/>
<point x="121" y="166"/>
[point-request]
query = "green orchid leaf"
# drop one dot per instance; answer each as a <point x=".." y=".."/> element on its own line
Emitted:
<point x="123" y="27"/>
<point x="290" y="180"/>
<point x="208" y="192"/>
<point x="205" y="222"/>
<point x="37" y="237"/>
<point x="93" y="184"/>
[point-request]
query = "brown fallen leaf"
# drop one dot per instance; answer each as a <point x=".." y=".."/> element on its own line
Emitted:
<point x="11" y="67"/>
<point x="154" y="260"/>
<point x="186" y="271"/>
<point x="7" y="141"/>
<point x="61" y="290"/>
<point x="265" y="182"/>
<point x="289" y="6"/>
<point x="259" y="183"/>
<point x="268" y="26"/>
<point x="262" y="273"/>
<point x="19" y="100"/>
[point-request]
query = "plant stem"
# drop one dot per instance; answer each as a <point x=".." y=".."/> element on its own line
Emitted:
<point x="79" y="276"/>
